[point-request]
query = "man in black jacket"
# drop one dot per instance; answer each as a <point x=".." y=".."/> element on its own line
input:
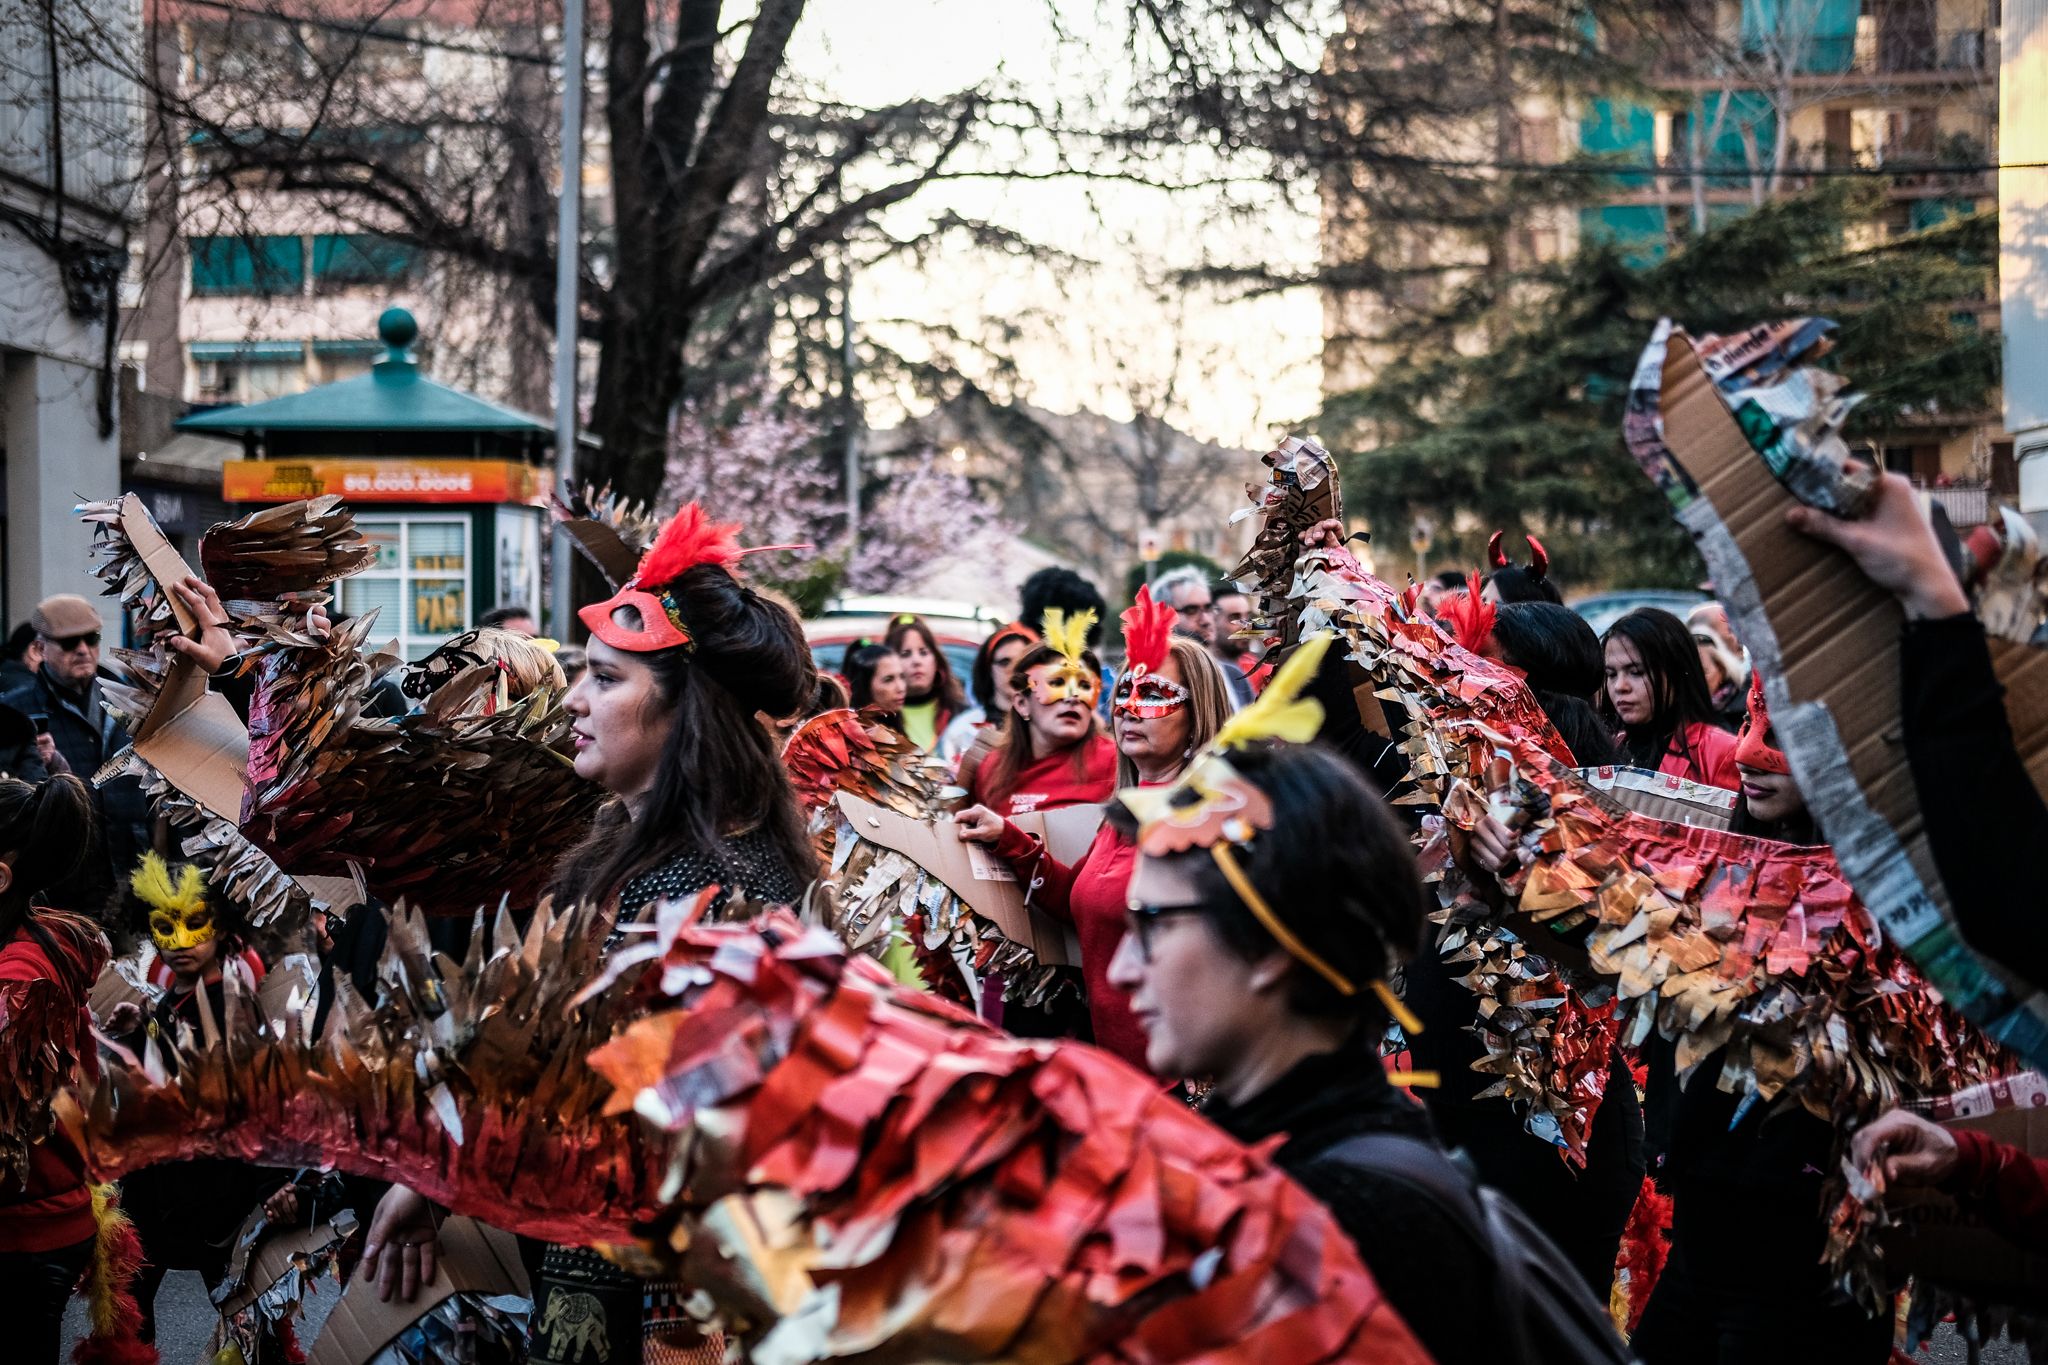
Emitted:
<point x="65" y="691"/>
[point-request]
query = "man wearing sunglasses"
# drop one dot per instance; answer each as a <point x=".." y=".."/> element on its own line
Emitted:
<point x="65" y="693"/>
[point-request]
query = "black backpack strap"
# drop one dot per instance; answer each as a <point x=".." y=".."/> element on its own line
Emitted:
<point x="1421" y="1163"/>
<point x="1551" y="1313"/>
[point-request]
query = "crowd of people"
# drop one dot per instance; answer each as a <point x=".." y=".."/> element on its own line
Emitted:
<point x="1268" y="963"/>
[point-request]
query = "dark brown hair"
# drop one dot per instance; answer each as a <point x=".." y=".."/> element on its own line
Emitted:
<point x="1013" y="752"/>
<point x="718" y="774"/>
<point x="945" y="687"/>
<point x="1678" y="686"/>
<point x="1336" y="869"/>
<point x="45" y="830"/>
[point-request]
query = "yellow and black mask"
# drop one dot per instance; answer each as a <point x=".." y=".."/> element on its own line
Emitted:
<point x="179" y="917"/>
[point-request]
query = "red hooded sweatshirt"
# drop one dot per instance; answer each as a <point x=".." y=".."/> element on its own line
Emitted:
<point x="48" y="1029"/>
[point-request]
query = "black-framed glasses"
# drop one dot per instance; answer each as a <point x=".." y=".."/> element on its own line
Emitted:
<point x="1196" y="609"/>
<point x="66" y="643"/>
<point x="1142" y="921"/>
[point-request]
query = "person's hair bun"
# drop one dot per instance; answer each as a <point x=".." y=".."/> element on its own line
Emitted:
<point x="47" y="828"/>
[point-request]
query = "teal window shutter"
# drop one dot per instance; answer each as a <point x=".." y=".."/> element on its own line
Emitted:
<point x="247" y="265"/>
<point x="352" y="258"/>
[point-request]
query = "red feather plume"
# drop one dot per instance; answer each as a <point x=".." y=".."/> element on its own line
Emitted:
<point x="690" y="538"/>
<point x="1470" y="616"/>
<point x="1148" y="630"/>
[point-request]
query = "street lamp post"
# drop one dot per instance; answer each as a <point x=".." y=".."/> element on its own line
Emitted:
<point x="568" y="253"/>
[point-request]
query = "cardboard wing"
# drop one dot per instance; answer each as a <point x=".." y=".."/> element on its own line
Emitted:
<point x="1827" y="641"/>
<point x="978" y="876"/>
<point x="192" y="734"/>
<point x="475" y="1259"/>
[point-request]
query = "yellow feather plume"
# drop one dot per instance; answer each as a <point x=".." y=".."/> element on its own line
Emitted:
<point x="1068" y="635"/>
<point x="1281" y="712"/>
<point x="152" y="882"/>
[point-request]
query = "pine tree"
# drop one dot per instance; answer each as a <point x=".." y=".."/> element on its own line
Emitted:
<point x="1524" y="433"/>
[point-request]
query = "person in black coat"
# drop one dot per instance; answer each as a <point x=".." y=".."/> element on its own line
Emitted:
<point x="1291" y="1051"/>
<point x="65" y="692"/>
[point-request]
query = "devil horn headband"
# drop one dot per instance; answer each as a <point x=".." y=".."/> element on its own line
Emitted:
<point x="1539" y="558"/>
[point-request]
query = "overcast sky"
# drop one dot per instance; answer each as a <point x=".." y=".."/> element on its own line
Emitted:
<point x="1090" y="338"/>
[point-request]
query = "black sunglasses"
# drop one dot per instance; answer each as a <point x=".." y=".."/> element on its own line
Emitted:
<point x="66" y="643"/>
<point x="1143" y="921"/>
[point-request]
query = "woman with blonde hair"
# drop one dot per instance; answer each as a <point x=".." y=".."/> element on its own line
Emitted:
<point x="1170" y="701"/>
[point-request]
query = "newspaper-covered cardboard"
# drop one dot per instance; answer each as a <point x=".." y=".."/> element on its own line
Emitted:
<point x="1661" y="796"/>
<point x="1826" y="640"/>
<point x="192" y="734"/>
<point x="977" y="876"/>
<point x="474" y="1259"/>
<point x="256" y="1270"/>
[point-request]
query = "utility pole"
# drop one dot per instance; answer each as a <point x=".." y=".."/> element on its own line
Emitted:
<point x="568" y="263"/>
<point x="851" y="418"/>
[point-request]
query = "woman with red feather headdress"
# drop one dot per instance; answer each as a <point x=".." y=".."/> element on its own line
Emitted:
<point x="680" y="660"/>
<point x="1170" y="701"/>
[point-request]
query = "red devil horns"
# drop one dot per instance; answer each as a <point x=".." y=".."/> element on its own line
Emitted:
<point x="1539" y="558"/>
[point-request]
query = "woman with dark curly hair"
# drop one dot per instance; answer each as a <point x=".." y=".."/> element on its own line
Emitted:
<point x="681" y="659"/>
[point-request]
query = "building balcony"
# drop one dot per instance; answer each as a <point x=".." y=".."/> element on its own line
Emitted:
<point x="1904" y="56"/>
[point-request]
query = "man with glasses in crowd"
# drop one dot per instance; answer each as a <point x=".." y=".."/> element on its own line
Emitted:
<point x="1186" y="590"/>
<point x="63" y="694"/>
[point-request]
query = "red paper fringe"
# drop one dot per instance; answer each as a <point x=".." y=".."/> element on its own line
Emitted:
<point x="1645" y="1247"/>
<point x="110" y="1290"/>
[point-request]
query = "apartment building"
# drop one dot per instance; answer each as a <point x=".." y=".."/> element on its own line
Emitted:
<point x="251" y="289"/>
<point x="70" y="134"/>
<point x="1753" y="99"/>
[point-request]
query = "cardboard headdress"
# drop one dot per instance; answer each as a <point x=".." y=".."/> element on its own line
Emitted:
<point x="1213" y="807"/>
<point x="1148" y="636"/>
<point x="1752" y="750"/>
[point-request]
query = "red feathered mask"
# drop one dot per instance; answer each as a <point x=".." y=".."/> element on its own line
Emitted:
<point x="1470" y="616"/>
<point x="691" y="538"/>
<point x="1148" y="630"/>
<point x="1148" y="636"/>
<point x="1751" y="749"/>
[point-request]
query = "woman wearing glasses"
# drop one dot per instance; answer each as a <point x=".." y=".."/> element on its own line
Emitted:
<point x="1170" y="702"/>
<point x="1272" y="895"/>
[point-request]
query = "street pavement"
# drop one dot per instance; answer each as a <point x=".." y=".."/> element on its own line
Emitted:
<point x="185" y="1321"/>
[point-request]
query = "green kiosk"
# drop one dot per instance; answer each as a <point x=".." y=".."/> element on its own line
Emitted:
<point x="450" y="488"/>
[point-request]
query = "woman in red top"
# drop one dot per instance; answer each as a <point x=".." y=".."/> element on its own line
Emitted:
<point x="1171" y="701"/>
<point x="1052" y="751"/>
<point x="48" y="963"/>
<point x="1658" y="702"/>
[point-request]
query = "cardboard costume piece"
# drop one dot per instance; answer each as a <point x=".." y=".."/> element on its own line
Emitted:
<point x="1826" y="642"/>
<point x="1710" y="938"/>
<point x="466" y="801"/>
<point x="836" y="1164"/>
